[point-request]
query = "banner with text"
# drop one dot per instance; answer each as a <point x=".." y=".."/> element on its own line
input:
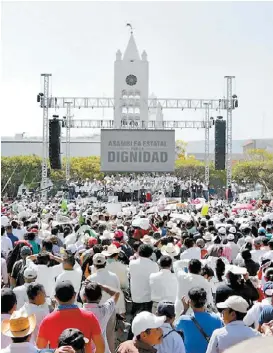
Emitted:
<point x="137" y="150"/>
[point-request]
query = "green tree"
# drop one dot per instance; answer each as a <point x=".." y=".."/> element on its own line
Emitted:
<point x="256" y="168"/>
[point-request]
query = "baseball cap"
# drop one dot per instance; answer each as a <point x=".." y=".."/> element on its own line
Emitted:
<point x="268" y="289"/>
<point x="25" y="251"/>
<point x="261" y="230"/>
<point x="64" y="291"/>
<point x="166" y="309"/>
<point x="92" y="241"/>
<point x="74" y="338"/>
<point x="145" y="320"/>
<point x="222" y="230"/>
<point x="30" y="273"/>
<point x="230" y="237"/>
<point x="257" y="241"/>
<point x="99" y="259"/>
<point x="72" y="248"/>
<point x="235" y="303"/>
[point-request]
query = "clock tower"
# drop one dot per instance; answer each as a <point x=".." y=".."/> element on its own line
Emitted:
<point x="131" y="86"/>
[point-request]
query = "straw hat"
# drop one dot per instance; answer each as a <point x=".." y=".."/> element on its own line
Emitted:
<point x="19" y="324"/>
<point x="170" y="250"/>
<point x="148" y="240"/>
<point x="111" y="250"/>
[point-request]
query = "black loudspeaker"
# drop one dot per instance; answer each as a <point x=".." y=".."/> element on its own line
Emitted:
<point x="55" y="144"/>
<point x="220" y="144"/>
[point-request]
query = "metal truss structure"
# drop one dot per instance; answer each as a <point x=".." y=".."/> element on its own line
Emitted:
<point x="151" y="125"/>
<point x="45" y="107"/>
<point x="207" y="126"/>
<point x="230" y="107"/>
<point x="229" y="103"/>
<point x="166" y="103"/>
<point x="67" y="141"/>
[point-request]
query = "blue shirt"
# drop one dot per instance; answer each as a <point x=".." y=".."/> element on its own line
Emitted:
<point x="13" y="238"/>
<point x="194" y="341"/>
<point x="266" y="314"/>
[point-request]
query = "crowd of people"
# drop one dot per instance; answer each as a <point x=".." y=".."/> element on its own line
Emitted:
<point x="141" y="187"/>
<point x="76" y="278"/>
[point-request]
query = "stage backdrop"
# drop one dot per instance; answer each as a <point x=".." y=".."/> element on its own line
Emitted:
<point x="137" y="150"/>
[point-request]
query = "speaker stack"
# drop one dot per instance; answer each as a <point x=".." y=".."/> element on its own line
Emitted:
<point x="55" y="144"/>
<point x="220" y="144"/>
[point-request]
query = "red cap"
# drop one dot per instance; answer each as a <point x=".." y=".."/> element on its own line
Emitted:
<point x="92" y="241"/>
<point x="118" y="234"/>
<point x="33" y="230"/>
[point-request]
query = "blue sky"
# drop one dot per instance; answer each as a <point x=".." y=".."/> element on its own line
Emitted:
<point x="191" y="46"/>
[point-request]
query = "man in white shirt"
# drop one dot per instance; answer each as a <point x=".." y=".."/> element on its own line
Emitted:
<point x="121" y="270"/>
<point x="192" y="251"/>
<point x="4" y="272"/>
<point x="91" y="297"/>
<point x="235" y="331"/>
<point x="163" y="284"/>
<point x="6" y="243"/>
<point x="37" y="305"/>
<point x="110" y="279"/>
<point x="232" y="245"/>
<point x="187" y="281"/>
<point x="70" y="273"/>
<point x="257" y="253"/>
<point x="269" y="254"/>
<point x="30" y="276"/>
<point x="140" y="271"/>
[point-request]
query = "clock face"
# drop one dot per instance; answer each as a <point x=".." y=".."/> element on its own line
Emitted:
<point x="131" y="80"/>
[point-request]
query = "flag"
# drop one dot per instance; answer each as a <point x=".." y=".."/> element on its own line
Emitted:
<point x="64" y="206"/>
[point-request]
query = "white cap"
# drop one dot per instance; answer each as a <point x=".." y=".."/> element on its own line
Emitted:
<point x="222" y="230"/>
<point x="230" y="237"/>
<point x="99" y="259"/>
<point x="30" y="273"/>
<point x="72" y="248"/>
<point x="232" y="230"/>
<point x="146" y="320"/>
<point x="207" y="236"/>
<point x="235" y="303"/>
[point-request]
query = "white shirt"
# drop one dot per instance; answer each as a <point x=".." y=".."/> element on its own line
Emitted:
<point x="19" y="233"/>
<point x="234" y="249"/>
<point x="268" y="255"/>
<point x="46" y="276"/>
<point x="230" y="335"/>
<point x="163" y="286"/>
<point x="103" y="313"/>
<point x="6" y="244"/>
<point x="140" y="270"/>
<point x="191" y="253"/>
<point x="5" y="340"/>
<point x="40" y="311"/>
<point x="25" y="347"/>
<point x="74" y="276"/>
<point x="172" y="342"/>
<point x="21" y="294"/>
<point x="121" y="271"/>
<point x="106" y="278"/>
<point x="257" y="254"/>
<point x="4" y="271"/>
<point x="187" y="281"/>
<point x="253" y="314"/>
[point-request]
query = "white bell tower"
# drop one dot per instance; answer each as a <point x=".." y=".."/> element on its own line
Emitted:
<point x="131" y="86"/>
